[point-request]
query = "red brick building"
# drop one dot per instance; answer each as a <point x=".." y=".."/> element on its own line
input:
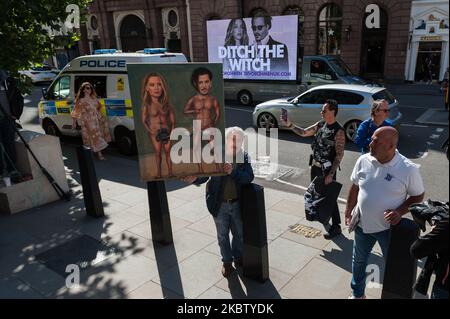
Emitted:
<point x="181" y="26"/>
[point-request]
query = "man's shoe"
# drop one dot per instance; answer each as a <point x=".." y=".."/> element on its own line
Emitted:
<point x="238" y="262"/>
<point x="227" y="269"/>
<point x="353" y="297"/>
<point x="333" y="232"/>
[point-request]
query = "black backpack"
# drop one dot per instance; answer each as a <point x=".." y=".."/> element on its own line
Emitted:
<point x="15" y="97"/>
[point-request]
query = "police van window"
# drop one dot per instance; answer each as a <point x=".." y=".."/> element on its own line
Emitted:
<point x="321" y="69"/>
<point x="98" y="82"/>
<point x="61" y="89"/>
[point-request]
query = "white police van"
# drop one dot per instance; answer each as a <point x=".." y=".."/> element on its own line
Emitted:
<point x="106" y="70"/>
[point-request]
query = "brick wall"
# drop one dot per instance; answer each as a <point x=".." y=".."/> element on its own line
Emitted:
<point x="202" y="10"/>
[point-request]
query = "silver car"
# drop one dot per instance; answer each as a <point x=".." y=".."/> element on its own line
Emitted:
<point x="354" y="103"/>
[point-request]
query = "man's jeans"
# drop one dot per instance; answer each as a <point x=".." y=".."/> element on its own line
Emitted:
<point x="439" y="292"/>
<point x="362" y="247"/>
<point x="229" y="218"/>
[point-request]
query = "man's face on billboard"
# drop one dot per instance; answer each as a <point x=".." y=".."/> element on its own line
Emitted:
<point x="204" y="84"/>
<point x="260" y="29"/>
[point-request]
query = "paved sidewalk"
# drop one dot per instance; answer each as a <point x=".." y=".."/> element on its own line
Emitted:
<point x="119" y="260"/>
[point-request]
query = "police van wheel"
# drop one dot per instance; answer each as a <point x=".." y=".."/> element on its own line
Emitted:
<point x="350" y="130"/>
<point x="245" y="98"/>
<point x="50" y="128"/>
<point x="126" y="142"/>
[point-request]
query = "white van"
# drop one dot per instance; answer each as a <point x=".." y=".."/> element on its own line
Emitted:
<point x="106" y="70"/>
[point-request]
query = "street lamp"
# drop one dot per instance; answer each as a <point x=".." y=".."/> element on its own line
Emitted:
<point x="348" y="30"/>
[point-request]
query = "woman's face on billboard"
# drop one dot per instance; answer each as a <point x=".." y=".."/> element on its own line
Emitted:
<point x="154" y="86"/>
<point x="238" y="29"/>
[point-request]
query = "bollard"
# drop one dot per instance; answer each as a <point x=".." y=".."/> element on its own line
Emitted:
<point x="253" y="212"/>
<point x="159" y="213"/>
<point x="91" y="192"/>
<point x="401" y="268"/>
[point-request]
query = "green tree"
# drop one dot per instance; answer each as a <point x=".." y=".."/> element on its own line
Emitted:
<point x="24" y="31"/>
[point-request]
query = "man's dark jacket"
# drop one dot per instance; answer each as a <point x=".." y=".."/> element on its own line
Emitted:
<point x="435" y="242"/>
<point x="242" y="174"/>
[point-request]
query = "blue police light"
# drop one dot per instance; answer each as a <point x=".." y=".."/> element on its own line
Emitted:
<point x="155" y="50"/>
<point x="104" y="51"/>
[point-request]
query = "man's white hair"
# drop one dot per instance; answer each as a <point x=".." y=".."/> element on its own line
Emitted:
<point x="235" y="130"/>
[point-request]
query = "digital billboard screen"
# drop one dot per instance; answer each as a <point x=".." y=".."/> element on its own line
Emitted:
<point x="259" y="48"/>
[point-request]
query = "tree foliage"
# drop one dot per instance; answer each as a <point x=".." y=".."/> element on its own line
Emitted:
<point x="24" y="36"/>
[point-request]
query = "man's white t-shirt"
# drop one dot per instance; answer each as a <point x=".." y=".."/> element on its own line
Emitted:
<point x="382" y="187"/>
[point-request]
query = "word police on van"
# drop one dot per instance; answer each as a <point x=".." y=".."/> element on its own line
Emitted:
<point x="106" y="71"/>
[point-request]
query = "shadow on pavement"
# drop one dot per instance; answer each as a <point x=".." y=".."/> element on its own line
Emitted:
<point x="245" y="288"/>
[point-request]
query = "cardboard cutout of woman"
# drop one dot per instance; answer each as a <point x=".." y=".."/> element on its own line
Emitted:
<point x="158" y="118"/>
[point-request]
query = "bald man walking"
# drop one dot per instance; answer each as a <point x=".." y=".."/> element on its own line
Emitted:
<point x="385" y="184"/>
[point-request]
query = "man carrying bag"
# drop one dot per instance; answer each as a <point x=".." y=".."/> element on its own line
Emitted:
<point x="328" y="151"/>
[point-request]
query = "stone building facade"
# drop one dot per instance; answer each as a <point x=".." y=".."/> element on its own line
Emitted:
<point x="181" y="26"/>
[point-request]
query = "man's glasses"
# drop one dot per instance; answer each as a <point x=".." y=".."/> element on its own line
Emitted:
<point x="385" y="111"/>
<point x="259" y="27"/>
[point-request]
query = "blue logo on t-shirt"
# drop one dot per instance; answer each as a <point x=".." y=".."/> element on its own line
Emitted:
<point x="388" y="177"/>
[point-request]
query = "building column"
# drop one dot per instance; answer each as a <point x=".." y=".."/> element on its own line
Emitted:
<point x="413" y="60"/>
<point x="444" y="59"/>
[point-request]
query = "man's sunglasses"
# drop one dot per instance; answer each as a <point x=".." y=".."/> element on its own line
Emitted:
<point x="259" y="27"/>
<point x="385" y="111"/>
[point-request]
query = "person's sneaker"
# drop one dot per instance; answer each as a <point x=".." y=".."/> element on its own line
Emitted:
<point x="353" y="297"/>
<point x="238" y="262"/>
<point x="227" y="269"/>
<point x="333" y="232"/>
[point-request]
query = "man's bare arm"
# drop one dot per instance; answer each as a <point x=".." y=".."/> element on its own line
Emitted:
<point x="340" y="147"/>
<point x="404" y="208"/>
<point x="395" y="216"/>
<point x="217" y="110"/>
<point x="309" y="131"/>
<point x="189" y="107"/>
<point x="352" y="199"/>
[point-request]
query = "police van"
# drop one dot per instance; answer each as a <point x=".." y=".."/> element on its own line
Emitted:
<point x="106" y="70"/>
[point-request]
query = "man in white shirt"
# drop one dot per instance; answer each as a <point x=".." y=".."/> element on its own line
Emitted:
<point x="385" y="184"/>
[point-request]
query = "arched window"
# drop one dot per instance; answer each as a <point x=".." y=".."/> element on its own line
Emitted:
<point x="132" y="34"/>
<point x="329" y="30"/>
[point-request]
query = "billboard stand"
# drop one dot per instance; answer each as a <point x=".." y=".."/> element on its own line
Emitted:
<point x="159" y="213"/>
<point x="256" y="254"/>
<point x="91" y="192"/>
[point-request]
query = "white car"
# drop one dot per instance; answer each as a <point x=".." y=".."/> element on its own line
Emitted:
<point x="39" y="74"/>
<point x="354" y="103"/>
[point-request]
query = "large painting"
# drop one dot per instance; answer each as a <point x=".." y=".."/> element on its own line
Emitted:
<point x="178" y="111"/>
